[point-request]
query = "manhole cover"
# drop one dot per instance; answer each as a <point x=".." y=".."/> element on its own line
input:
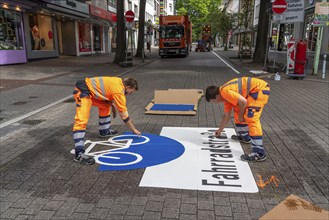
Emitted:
<point x="20" y="103"/>
<point x="32" y="122"/>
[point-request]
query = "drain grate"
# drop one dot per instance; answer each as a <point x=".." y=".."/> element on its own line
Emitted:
<point x="33" y="97"/>
<point x="20" y="103"/>
<point x="32" y="122"/>
<point x="71" y="100"/>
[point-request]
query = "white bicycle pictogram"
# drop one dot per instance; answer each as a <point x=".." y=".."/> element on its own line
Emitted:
<point x="114" y="156"/>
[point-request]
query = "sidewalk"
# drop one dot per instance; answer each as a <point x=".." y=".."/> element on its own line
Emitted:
<point x="40" y="180"/>
<point x="37" y="71"/>
<point x="280" y="58"/>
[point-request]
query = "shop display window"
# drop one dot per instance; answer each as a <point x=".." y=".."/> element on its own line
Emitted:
<point x="98" y="38"/>
<point x="10" y="30"/>
<point x="84" y="37"/>
<point x="41" y="32"/>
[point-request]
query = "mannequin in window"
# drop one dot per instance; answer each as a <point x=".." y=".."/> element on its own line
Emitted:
<point x="36" y="37"/>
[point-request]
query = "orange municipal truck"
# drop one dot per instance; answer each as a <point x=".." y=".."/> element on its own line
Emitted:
<point x="175" y="35"/>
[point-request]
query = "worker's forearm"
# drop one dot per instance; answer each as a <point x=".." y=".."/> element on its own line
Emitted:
<point x="131" y="126"/>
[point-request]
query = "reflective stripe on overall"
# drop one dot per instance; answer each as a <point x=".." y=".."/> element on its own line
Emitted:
<point x="256" y="99"/>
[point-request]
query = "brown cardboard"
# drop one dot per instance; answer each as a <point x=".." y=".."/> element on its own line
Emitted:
<point x="175" y="96"/>
<point x="294" y="207"/>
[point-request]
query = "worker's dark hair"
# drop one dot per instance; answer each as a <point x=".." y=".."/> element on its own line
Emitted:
<point x="211" y="92"/>
<point x="131" y="82"/>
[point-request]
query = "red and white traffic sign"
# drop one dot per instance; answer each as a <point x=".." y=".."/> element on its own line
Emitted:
<point x="279" y="6"/>
<point x="130" y="16"/>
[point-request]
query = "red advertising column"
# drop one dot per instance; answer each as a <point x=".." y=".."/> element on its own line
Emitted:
<point x="291" y="56"/>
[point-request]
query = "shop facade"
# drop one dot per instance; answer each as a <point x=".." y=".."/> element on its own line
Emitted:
<point x="12" y="40"/>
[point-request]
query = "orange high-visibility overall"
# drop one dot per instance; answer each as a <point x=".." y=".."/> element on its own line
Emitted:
<point x="257" y="92"/>
<point x="100" y="92"/>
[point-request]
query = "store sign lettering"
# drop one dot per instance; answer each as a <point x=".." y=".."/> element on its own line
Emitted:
<point x="71" y="3"/>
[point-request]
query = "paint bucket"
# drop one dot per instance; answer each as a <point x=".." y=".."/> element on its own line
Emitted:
<point x="277" y="77"/>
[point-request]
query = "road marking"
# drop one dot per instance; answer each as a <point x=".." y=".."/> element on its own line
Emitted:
<point x="14" y="120"/>
<point x="226" y="63"/>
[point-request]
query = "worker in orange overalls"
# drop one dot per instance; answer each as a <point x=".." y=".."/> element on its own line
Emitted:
<point x="105" y="93"/>
<point x="247" y="97"/>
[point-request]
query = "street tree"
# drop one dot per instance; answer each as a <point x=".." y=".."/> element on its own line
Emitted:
<point x="198" y="12"/>
<point x="262" y="32"/>
<point x="245" y="28"/>
<point x="141" y="29"/>
<point x="121" y="34"/>
<point x="222" y="24"/>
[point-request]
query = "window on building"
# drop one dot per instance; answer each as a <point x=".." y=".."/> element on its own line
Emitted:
<point x="10" y="30"/>
<point x="136" y="10"/>
<point x="84" y="37"/>
<point x="112" y="2"/>
<point x="41" y="31"/>
<point x="170" y="7"/>
<point x="130" y="5"/>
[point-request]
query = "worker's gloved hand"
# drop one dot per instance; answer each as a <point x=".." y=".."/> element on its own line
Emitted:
<point x="218" y="133"/>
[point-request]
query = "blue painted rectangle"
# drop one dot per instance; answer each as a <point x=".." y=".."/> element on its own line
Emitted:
<point x="172" y="107"/>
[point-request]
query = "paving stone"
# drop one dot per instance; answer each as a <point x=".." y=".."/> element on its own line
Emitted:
<point x="136" y="210"/>
<point x="188" y="208"/>
<point x="187" y="217"/>
<point x="65" y="211"/>
<point x="205" y="205"/>
<point x="170" y="213"/>
<point x="239" y="207"/>
<point x="53" y="205"/>
<point x="154" y="206"/>
<point x="99" y="213"/>
<point x="171" y="203"/>
<point x="222" y="201"/>
<point x="85" y="207"/>
<point x="239" y="215"/>
<point x="202" y="214"/>
<point x="117" y="209"/>
<point x="11" y="213"/>
<point x="22" y="203"/>
<point x="24" y="217"/>
<point x="44" y="215"/>
<point x="79" y="216"/>
<point x="105" y="203"/>
<point x="149" y="215"/>
<point x="32" y="209"/>
<point x="253" y="203"/>
<point x="223" y="211"/>
<point x="189" y="199"/>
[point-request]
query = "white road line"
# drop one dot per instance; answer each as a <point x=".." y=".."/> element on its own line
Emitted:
<point x="14" y="120"/>
<point x="226" y="63"/>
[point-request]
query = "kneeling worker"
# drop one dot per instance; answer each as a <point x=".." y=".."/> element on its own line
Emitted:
<point x="103" y="92"/>
<point x="247" y="97"/>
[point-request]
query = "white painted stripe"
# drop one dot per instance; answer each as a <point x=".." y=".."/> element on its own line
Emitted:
<point x="14" y="120"/>
<point x="279" y="6"/>
<point x="226" y="63"/>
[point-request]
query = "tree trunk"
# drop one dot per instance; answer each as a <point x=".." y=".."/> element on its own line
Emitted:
<point x="120" y="54"/>
<point x="262" y="32"/>
<point x="141" y="28"/>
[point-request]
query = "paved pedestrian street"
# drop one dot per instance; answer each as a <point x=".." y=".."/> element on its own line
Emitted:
<point x="40" y="180"/>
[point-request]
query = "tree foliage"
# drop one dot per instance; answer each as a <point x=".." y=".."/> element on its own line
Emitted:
<point x="198" y="11"/>
<point x="221" y="24"/>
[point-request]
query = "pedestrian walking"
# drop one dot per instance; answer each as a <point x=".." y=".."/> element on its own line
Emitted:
<point x="108" y="94"/>
<point x="247" y="97"/>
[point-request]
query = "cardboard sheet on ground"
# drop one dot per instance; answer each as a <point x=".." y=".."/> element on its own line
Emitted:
<point x="294" y="207"/>
<point x="208" y="163"/>
<point x="175" y="102"/>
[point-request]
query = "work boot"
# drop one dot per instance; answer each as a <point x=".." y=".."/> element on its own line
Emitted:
<point x="239" y="138"/>
<point x="253" y="157"/>
<point x="110" y="133"/>
<point x="84" y="159"/>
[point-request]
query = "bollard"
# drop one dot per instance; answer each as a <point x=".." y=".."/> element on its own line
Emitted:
<point x="324" y="65"/>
